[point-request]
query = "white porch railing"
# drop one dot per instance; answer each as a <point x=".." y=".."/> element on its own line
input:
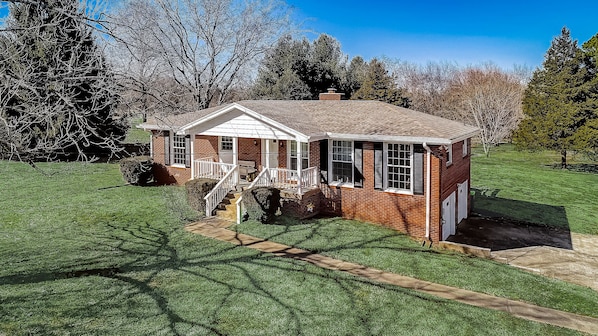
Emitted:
<point x="229" y="182"/>
<point x="287" y="178"/>
<point x="283" y="179"/>
<point x="207" y="168"/>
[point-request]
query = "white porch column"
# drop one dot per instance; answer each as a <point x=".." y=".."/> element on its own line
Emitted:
<point x="267" y="145"/>
<point x="192" y="149"/>
<point x="299" y="165"/>
<point x="236" y="155"/>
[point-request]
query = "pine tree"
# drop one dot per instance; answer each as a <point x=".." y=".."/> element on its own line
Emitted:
<point x="59" y="96"/>
<point x="554" y="103"/>
<point x="379" y="85"/>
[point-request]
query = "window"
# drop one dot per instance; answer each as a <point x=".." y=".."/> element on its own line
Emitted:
<point x="398" y="166"/>
<point x="449" y="154"/>
<point x="226" y="143"/>
<point x="304" y="155"/>
<point x="342" y="161"/>
<point x="179" y="149"/>
<point x="465" y="148"/>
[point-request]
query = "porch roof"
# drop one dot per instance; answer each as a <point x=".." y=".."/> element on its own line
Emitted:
<point x="320" y="119"/>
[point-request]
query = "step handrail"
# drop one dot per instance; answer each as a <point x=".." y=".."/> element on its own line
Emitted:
<point x="216" y="195"/>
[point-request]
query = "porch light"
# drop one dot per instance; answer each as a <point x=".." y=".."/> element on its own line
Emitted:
<point x="254" y="142"/>
<point x="282" y="144"/>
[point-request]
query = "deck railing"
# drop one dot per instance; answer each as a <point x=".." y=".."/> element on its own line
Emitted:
<point x="283" y="179"/>
<point x="207" y="168"/>
<point x="229" y="182"/>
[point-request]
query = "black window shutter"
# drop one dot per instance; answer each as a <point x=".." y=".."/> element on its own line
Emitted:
<point x="358" y="164"/>
<point x="167" y="148"/>
<point x="324" y="155"/>
<point x="378" y="165"/>
<point x="187" y="151"/>
<point x="418" y="173"/>
<point x="324" y="160"/>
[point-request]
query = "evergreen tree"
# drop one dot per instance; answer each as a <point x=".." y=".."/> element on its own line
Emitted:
<point x="57" y="93"/>
<point x="354" y="76"/>
<point x="555" y="101"/>
<point x="284" y="71"/>
<point x="379" y="85"/>
<point x="300" y="70"/>
<point x="586" y="137"/>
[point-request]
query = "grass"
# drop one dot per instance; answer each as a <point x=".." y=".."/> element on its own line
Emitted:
<point x="84" y="254"/>
<point x="391" y="251"/>
<point x="530" y="187"/>
<point x="136" y="135"/>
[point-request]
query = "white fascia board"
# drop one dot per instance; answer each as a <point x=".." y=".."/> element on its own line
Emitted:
<point x="298" y="135"/>
<point x="465" y="136"/>
<point x="388" y="138"/>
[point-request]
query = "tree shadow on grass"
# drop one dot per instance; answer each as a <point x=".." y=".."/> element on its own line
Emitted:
<point x="501" y="224"/>
<point x="219" y="279"/>
<point x="591" y="168"/>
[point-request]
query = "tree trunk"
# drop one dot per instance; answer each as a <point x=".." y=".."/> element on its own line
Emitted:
<point x="563" y="159"/>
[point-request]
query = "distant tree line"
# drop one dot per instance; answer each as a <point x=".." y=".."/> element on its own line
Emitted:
<point x="72" y="72"/>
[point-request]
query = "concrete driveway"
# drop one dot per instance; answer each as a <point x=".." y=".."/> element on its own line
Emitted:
<point x="552" y="252"/>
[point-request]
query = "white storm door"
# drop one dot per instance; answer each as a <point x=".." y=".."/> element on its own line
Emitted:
<point x="448" y="216"/>
<point x="225" y="149"/>
<point x="462" y="201"/>
<point x="270" y="154"/>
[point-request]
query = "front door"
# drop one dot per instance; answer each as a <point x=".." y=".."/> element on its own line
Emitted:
<point x="225" y="149"/>
<point x="270" y="154"/>
<point x="448" y="216"/>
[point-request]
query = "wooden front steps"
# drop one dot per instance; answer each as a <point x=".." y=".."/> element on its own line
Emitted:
<point x="227" y="209"/>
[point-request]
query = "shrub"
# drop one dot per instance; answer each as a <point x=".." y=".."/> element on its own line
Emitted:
<point x="261" y="203"/>
<point x="137" y="170"/>
<point x="197" y="189"/>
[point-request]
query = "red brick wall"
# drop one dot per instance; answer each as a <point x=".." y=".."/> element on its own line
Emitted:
<point x="250" y="152"/>
<point x="166" y="174"/>
<point x="206" y="146"/>
<point x="405" y="213"/>
<point x="282" y="153"/>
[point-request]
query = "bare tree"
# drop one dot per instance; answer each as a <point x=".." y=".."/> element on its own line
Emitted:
<point x="489" y="98"/>
<point x="207" y="47"/>
<point x="56" y="94"/>
<point x="425" y="85"/>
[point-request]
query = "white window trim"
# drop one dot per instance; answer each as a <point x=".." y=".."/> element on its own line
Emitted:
<point x="449" y="154"/>
<point x="465" y="148"/>
<point x="290" y="152"/>
<point x="331" y="169"/>
<point x="172" y="142"/>
<point x="220" y="144"/>
<point x="385" y="170"/>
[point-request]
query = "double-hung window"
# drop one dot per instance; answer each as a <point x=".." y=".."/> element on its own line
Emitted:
<point x="342" y="161"/>
<point x="304" y="155"/>
<point x="399" y="167"/>
<point x="179" y="150"/>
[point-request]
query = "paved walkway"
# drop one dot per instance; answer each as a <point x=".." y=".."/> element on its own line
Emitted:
<point x="217" y="229"/>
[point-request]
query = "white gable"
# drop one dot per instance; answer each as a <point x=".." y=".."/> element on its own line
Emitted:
<point x="237" y="123"/>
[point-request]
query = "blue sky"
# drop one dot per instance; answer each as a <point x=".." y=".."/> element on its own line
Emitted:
<point x="468" y="32"/>
<point x="505" y="32"/>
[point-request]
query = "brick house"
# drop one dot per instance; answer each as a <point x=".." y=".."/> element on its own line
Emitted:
<point x="367" y="160"/>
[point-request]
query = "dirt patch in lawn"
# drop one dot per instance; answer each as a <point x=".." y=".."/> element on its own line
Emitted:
<point x="549" y="251"/>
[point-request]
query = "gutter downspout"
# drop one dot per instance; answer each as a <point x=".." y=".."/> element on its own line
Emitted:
<point x="428" y="188"/>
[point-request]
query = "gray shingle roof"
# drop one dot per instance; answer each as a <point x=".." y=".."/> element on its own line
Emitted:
<point x="350" y="117"/>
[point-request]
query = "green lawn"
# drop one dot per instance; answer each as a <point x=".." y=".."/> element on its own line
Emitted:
<point x="531" y="187"/>
<point x="83" y="254"/>
<point x="136" y="135"/>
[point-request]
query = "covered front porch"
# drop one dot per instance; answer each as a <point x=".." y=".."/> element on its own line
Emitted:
<point x="241" y="174"/>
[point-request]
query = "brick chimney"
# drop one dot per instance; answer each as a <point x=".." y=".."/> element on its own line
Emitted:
<point x="331" y="95"/>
